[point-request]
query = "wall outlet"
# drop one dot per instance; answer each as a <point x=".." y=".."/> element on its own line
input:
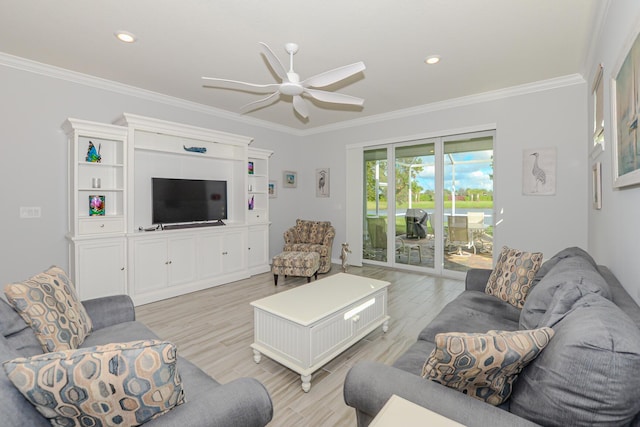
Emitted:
<point x="30" y="212"/>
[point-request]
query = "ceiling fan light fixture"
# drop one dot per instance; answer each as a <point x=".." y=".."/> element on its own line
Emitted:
<point x="125" y="36"/>
<point x="432" y="59"/>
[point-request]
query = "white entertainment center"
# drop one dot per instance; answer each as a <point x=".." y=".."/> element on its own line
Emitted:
<point x="119" y="250"/>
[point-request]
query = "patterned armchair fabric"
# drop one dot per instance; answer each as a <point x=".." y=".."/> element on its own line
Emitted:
<point x="311" y="236"/>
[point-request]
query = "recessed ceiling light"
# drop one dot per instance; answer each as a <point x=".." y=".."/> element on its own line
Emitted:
<point x="433" y="59"/>
<point x="125" y="36"/>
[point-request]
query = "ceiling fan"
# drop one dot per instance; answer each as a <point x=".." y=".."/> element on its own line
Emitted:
<point x="292" y="86"/>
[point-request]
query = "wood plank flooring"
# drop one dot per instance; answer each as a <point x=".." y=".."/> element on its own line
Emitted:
<point x="214" y="328"/>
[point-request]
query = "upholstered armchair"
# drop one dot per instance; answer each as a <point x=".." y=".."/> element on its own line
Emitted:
<point x="311" y="236"/>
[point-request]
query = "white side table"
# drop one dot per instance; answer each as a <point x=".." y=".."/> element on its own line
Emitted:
<point x="400" y="412"/>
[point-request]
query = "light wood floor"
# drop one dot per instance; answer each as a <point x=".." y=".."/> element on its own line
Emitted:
<point x="214" y="328"/>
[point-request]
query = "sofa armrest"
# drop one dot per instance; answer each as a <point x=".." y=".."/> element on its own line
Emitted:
<point x="476" y="279"/>
<point x="369" y="385"/>
<point x="243" y="402"/>
<point x="108" y="311"/>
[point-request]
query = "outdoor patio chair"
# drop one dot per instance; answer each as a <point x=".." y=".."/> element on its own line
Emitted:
<point x="459" y="234"/>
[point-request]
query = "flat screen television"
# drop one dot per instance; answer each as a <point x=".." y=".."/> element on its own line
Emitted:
<point x="188" y="200"/>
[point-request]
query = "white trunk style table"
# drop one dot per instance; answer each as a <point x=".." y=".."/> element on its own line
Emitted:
<point x="306" y="327"/>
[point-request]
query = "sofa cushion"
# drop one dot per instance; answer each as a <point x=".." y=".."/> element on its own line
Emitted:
<point x="472" y="311"/>
<point x="573" y="251"/>
<point x="513" y="274"/>
<point x="311" y="231"/>
<point x="484" y="366"/>
<point x="584" y="376"/>
<point x="571" y="270"/>
<point x="117" y="384"/>
<point x="48" y="303"/>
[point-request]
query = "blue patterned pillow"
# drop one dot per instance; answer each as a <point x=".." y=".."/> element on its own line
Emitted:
<point x="484" y="366"/>
<point x="123" y="384"/>
<point x="48" y="303"/>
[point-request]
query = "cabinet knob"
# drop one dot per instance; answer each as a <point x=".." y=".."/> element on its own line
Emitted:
<point x="122" y="269"/>
<point x="225" y="253"/>
<point x="101" y="225"/>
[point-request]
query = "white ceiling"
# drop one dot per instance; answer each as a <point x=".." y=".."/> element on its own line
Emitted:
<point x="485" y="45"/>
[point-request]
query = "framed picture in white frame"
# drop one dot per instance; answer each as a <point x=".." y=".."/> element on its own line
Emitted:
<point x="322" y="182"/>
<point x="596" y="174"/>
<point x="289" y="179"/>
<point x="625" y="108"/>
<point x="273" y="189"/>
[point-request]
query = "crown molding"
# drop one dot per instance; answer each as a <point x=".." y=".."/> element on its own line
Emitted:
<point x="109" y="85"/>
<point x="52" y="71"/>
<point x="509" y="92"/>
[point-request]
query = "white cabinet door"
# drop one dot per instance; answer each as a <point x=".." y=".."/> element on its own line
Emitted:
<point x="100" y="268"/>
<point x="209" y="255"/>
<point x="234" y="251"/>
<point x="258" y="249"/>
<point x="150" y="265"/>
<point x="181" y="259"/>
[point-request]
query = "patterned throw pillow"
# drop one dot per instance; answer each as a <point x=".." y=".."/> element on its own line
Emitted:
<point x="484" y="366"/>
<point x="48" y="303"/>
<point x="123" y="384"/>
<point x="513" y="275"/>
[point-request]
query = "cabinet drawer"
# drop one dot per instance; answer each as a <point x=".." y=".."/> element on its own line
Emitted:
<point x="257" y="216"/>
<point x="101" y="225"/>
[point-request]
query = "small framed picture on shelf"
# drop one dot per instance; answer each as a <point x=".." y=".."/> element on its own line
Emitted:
<point x="93" y="154"/>
<point x="96" y="205"/>
<point x="250" y="168"/>
<point x="273" y="189"/>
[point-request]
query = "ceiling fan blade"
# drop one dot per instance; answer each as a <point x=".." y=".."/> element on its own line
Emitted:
<point x="333" y="97"/>
<point x="333" y="76"/>
<point x="235" y="84"/>
<point x="300" y="106"/>
<point x="275" y="63"/>
<point x="256" y="104"/>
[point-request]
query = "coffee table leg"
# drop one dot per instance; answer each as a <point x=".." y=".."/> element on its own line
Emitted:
<point x="385" y="326"/>
<point x="257" y="356"/>
<point x="306" y="382"/>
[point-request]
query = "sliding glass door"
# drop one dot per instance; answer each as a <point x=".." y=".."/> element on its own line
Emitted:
<point x="376" y="223"/>
<point x="433" y="210"/>
<point x="467" y="202"/>
<point x="415" y="204"/>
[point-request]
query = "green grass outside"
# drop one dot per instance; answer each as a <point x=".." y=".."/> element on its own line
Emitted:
<point x="401" y="225"/>
<point x="462" y="204"/>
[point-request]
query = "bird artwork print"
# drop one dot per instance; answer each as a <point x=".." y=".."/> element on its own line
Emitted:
<point x="323" y="186"/>
<point x="538" y="173"/>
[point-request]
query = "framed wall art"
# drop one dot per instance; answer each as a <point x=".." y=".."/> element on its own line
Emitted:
<point x="289" y="179"/>
<point x="322" y="182"/>
<point x="598" y="113"/>
<point x="539" y="172"/>
<point x="596" y="175"/>
<point x="626" y="108"/>
<point x="273" y="189"/>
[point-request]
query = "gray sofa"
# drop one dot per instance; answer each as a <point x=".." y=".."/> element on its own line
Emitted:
<point x="587" y="375"/>
<point x="243" y="402"/>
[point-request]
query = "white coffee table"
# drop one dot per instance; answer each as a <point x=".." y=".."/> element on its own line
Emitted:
<point x="306" y="327"/>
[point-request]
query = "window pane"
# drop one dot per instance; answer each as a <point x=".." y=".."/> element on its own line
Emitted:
<point x="415" y="203"/>
<point x="375" y="224"/>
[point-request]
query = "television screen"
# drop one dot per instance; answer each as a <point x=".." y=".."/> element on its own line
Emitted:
<point x="188" y="200"/>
